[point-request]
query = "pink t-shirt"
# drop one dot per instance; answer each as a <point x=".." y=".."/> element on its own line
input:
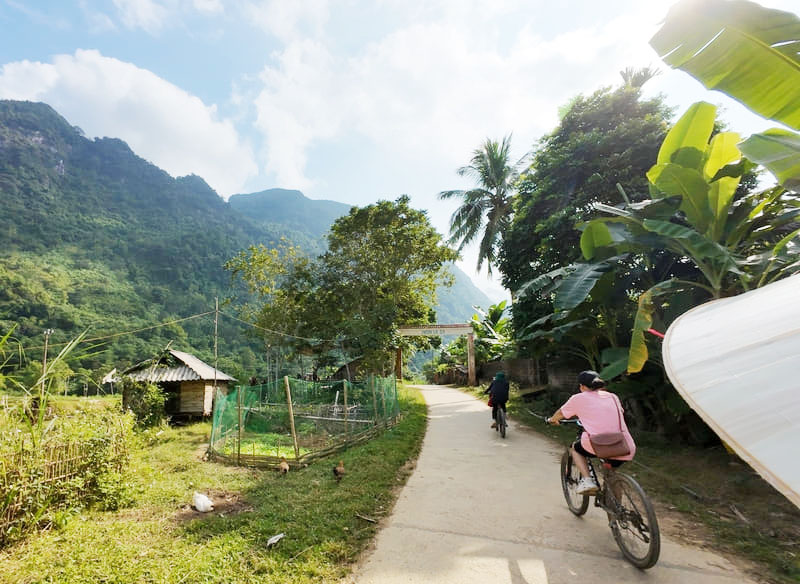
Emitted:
<point x="597" y="411"/>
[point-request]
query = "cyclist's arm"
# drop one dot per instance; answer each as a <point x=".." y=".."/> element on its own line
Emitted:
<point x="555" y="418"/>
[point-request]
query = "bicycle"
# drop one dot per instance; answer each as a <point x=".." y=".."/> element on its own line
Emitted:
<point x="501" y="422"/>
<point x="631" y="516"/>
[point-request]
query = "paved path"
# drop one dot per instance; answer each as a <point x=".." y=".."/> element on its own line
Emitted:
<point x="444" y="528"/>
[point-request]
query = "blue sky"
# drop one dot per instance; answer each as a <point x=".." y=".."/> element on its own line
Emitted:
<point x="347" y="100"/>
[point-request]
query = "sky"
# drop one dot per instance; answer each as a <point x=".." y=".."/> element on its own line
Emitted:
<point x="346" y="100"/>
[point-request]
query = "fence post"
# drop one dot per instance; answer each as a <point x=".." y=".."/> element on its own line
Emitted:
<point x="383" y="399"/>
<point x="239" y="435"/>
<point x="346" y="415"/>
<point x="374" y="399"/>
<point x="291" y="417"/>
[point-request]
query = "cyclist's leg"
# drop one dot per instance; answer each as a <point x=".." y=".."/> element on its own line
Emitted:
<point x="494" y="415"/>
<point x="579" y="455"/>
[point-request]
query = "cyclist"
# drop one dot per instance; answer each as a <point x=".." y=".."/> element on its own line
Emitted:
<point x="498" y="393"/>
<point x="599" y="411"/>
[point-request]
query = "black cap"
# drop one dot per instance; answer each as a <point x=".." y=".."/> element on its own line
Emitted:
<point x="587" y="377"/>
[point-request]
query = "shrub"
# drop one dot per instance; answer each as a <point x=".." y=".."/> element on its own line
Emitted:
<point x="145" y="400"/>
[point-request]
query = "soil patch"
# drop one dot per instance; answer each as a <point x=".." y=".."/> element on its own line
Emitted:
<point x="225" y="504"/>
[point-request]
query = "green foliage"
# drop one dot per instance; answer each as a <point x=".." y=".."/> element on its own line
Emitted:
<point x="739" y="48"/>
<point x="144" y="400"/>
<point x="79" y="462"/>
<point x="382" y="268"/>
<point x="603" y="140"/>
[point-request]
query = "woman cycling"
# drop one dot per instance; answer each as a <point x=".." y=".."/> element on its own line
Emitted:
<point x="599" y="411"/>
<point x="498" y="393"/>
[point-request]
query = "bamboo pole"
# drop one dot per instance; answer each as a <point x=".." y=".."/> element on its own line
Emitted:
<point x="383" y="402"/>
<point x="374" y="399"/>
<point x="239" y="441"/>
<point x="291" y="416"/>
<point x="346" y="415"/>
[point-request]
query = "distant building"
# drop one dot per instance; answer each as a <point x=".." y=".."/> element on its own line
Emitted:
<point x="187" y="382"/>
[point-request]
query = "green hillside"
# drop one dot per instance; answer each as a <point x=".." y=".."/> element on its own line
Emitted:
<point x="93" y="237"/>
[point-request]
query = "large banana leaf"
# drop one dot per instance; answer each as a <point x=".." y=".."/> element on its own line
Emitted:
<point x="738" y="47"/>
<point x="672" y="179"/>
<point x="644" y="320"/>
<point x="779" y="151"/>
<point x="576" y="287"/>
<point x="688" y="138"/>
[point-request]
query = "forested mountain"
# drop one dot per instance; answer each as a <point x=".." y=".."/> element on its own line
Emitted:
<point x="93" y="237"/>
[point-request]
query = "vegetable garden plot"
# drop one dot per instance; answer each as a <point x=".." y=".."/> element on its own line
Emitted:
<point x="299" y="420"/>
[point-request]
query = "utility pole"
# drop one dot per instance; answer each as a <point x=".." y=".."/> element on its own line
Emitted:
<point x="47" y="333"/>
<point x="216" y="319"/>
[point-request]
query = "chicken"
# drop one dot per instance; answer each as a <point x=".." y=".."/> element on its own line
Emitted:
<point x="283" y="467"/>
<point x="202" y="503"/>
<point x="338" y="471"/>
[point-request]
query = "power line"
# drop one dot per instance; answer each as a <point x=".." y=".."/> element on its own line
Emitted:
<point x="274" y="332"/>
<point x="147" y="328"/>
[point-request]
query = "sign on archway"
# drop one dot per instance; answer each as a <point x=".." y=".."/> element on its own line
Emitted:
<point x="438" y="330"/>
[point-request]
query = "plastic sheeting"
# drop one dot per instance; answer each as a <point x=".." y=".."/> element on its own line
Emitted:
<point x="736" y="361"/>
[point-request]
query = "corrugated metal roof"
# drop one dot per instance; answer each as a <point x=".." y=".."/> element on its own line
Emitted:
<point x="159" y="374"/>
<point x="193" y="369"/>
<point x="203" y="370"/>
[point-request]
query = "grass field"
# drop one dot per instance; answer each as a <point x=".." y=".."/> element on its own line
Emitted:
<point x="159" y="538"/>
<point x="705" y="496"/>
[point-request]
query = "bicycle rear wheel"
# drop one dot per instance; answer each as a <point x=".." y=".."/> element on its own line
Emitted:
<point x="634" y="522"/>
<point x="501" y="422"/>
<point x="570" y="477"/>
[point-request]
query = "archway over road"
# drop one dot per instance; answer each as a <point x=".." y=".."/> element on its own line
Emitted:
<point x="438" y="330"/>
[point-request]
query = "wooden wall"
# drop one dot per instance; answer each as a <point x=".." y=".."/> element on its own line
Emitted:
<point x="197" y="397"/>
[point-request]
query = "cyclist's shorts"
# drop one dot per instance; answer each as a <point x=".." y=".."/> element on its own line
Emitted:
<point x="581" y="450"/>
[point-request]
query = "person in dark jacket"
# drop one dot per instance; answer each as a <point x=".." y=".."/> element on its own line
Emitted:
<point x="498" y="392"/>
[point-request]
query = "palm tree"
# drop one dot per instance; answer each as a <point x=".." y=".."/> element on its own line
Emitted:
<point x="487" y="207"/>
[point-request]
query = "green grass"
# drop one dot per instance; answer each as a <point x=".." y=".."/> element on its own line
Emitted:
<point x="158" y="539"/>
<point x="707" y="489"/>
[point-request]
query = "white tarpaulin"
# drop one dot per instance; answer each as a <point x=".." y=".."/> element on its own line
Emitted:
<point x="736" y="361"/>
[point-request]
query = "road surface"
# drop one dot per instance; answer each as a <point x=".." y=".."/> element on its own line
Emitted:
<point x="480" y="509"/>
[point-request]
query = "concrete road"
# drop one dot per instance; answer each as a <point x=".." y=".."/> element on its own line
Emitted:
<point x="445" y="528"/>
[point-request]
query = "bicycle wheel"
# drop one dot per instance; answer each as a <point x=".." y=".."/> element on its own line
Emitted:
<point x="633" y="522"/>
<point x="570" y="477"/>
<point x="501" y="422"/>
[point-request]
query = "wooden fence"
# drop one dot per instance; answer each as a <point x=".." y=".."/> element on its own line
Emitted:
<point x="33" y="481"/>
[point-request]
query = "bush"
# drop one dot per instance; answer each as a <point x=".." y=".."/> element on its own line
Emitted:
<point x="78" y="463"/>
<point x="145" y="400"/>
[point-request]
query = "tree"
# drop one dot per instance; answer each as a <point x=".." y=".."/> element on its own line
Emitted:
<point x="605" y="139"/>
<point x="487" y="207"/>
<point x="381" y="270"/>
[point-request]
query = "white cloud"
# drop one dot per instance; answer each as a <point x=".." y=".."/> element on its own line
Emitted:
<point x="145" y="14"/>
<point x="430" y="89"/>
<point x="162" y="123"/>
<point x="208" y="6"/>
<point x="287" y="20"/>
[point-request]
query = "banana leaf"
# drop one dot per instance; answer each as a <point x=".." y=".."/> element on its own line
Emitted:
<point x="779" y="151"/>
<point x="747" y="51"/>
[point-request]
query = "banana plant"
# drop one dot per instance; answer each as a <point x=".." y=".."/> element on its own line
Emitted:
<point x="694" y="214"/>
<point x="751" y="53"/>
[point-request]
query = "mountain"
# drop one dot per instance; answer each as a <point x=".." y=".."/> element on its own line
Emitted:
<point x="95" y="238"/>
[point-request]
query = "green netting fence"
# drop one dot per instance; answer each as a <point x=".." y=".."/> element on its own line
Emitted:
<point x="299" y="420"/>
